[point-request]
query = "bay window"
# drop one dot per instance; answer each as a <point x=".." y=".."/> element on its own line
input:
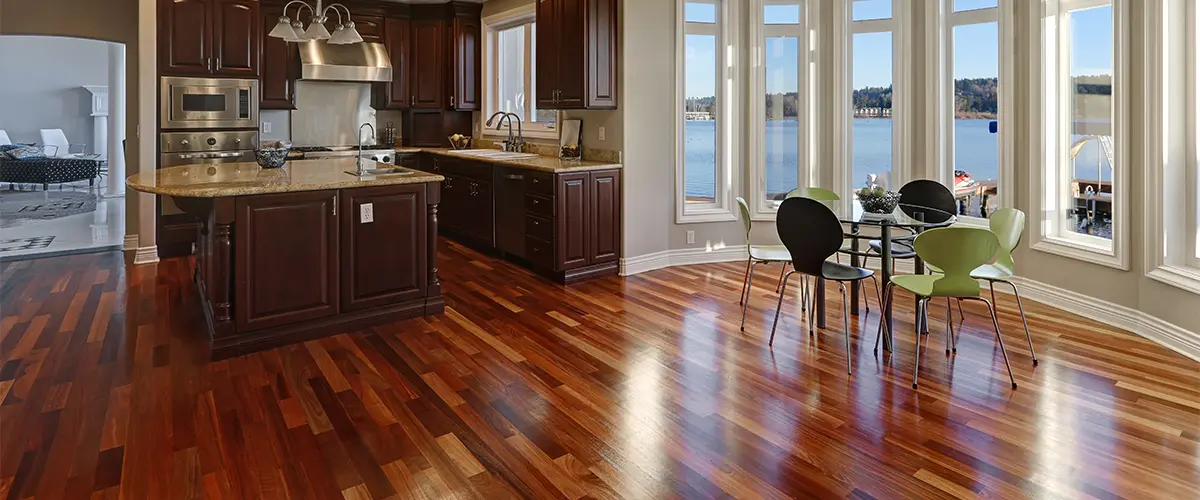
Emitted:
<point x="509" y="79"/>
<point x="705" y="111"/>
<point x="875" y="134"/>
<point x="780" y="80"/>
<point x="1082" y="179"/>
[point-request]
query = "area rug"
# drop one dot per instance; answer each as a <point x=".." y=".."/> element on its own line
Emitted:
<point x="22" y="208"/>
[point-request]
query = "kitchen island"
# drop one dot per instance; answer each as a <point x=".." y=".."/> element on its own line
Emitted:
<point x="306" y="250"/>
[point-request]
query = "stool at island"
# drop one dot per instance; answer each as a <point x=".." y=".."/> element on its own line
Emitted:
<point x="305" y="251"/>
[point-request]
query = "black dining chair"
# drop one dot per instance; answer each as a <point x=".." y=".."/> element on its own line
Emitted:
<point x="812" y="233"/>
<point x="919" y="193"/>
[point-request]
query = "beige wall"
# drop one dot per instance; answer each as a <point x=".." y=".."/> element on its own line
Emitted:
<point x="113" y="21"/>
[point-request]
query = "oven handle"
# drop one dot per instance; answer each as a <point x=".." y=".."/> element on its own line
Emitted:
<point x="209" y="155"/>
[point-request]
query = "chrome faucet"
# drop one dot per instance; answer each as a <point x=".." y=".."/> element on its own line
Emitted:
<point x="516" y="145"/>
<point x="361" y="170"/>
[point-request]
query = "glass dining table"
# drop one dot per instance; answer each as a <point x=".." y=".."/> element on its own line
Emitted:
<point x="910" y="219"/>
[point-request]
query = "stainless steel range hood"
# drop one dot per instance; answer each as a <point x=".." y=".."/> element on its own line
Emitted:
<point x="359" y="62"/>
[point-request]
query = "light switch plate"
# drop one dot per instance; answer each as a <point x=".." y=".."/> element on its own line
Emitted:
<point x="602" y="133"/>
<point x="266" y="127"/>
<point x="691" y="237"/>
<point x="366" y="213"/>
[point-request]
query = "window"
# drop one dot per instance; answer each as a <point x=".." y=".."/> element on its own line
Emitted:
<point x="972" y="111"/>
<point x="875" y="138"/>
<point x="705" y="112"/>
<point x="510" y="76"/>
<point x="781" y="133"/>
<point x="1083" y="178"/>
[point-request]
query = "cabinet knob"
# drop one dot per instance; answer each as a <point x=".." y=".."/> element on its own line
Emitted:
<point x="535" y="202"/>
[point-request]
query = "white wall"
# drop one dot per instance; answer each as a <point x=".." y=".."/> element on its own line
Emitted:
<point x="47" y="90"/>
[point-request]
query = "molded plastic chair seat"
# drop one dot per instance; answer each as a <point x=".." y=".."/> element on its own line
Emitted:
<point x="923" y="285"/>
<point x="984" y="272"/>
<point x="842" y="272"/>
<point x="770" y="253"/>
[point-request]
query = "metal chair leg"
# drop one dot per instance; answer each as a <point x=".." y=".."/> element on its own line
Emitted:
<point x="781" y="272"/>
<point x="803" y="293"/>
<point x="779" y="307"/>
<point x="961" y="317"/>
<point x="1023" y="321"/>
<point x="1000" y="340"/>
<point x="950" y="342"/>
<point x="888" y="292"/>
<point x="745" y="281"/>
<point x="846" y="328"/>
<point x="749" y="289"/>
<point x="917" y="360"/>
<point x="812" y="320"/>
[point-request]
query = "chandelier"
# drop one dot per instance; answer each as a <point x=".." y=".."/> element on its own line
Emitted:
<point x="292" y="30"/>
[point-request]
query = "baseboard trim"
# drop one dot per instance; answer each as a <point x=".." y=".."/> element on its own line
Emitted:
<point x="145" y="255"/>
<point x="131" y="242"/>
<point x="1169" y="335"/>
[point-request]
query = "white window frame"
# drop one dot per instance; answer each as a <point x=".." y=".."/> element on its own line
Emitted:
<point x="1047" y="183"/>
<point x="1172" y="155"/>
<point x="493" y="25"/>
<point x="727" y="149"/>
<point x="761" y="207"/>
<point x="845" y="29"/>
<point x="940" y="144"/>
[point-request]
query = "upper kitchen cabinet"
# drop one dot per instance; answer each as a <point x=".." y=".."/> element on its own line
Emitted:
<point x="577" y="54"/>
<point x="371" y="28"/>
<point x="428" y="63"/>
<point x="209" y="38"/>
<point x="466" y="46"/>
<point x="278" y="69"/>
<point x="398" y="37"/>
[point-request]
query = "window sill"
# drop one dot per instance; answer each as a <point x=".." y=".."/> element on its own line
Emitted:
<point x="1184" y="278"/>
<point x="700" y="216"/>
<point x="1078" y="250"/>
<point x="489" y="133"/>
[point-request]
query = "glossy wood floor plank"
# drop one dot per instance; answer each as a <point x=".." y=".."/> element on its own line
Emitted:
<point x="639" y="387"/>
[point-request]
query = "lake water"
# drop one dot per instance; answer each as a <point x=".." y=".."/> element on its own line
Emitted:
<point x="976" y="151"/>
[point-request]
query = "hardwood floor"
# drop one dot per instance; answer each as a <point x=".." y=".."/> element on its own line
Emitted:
<point x="637" y="387"/>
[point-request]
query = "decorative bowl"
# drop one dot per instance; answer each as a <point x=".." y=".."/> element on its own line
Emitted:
<point x="875" y="204"/>
<point x="460" y="141"/>
<point x="271" y="158"/>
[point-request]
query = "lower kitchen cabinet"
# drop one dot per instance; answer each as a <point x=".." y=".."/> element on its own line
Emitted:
<point x="383" y="246"/>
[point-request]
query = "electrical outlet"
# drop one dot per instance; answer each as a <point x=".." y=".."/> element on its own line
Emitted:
<point x="266" y="127"/>
<point x="602" y="133"/>
<point x="366" y="213"/>
<point x="691" y="237"/>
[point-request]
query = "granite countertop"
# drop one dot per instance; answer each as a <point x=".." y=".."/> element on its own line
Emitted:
<point x="540" y="163"/>
<point x="238" y="179"/>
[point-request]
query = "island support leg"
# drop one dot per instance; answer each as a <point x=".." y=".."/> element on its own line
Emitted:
<point x="221" y="287"/>
<point x="434" y="304"/>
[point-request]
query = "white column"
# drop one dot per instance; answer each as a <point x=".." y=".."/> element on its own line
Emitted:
<point x="116" y="119"/>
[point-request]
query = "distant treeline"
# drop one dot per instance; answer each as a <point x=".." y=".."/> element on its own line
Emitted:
<point x="973" y="97"/>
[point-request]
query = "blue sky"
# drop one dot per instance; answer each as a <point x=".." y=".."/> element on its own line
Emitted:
<point x="975" y="47"/>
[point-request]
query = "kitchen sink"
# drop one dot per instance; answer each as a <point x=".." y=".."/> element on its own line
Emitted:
<point x="495" y="154"/>
<point x="380" y="171"/>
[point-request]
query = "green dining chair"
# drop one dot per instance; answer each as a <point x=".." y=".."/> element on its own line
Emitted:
<point x="956" y="251"/>
<point x="758" y="254"/>
<point x="1008" y="224"/>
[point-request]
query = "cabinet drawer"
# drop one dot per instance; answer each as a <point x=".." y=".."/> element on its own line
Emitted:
<point x="539" y="253"/>
<point x="537" y="227"/>
<point x="539" y="182"/>
<point x="539" y="205"/>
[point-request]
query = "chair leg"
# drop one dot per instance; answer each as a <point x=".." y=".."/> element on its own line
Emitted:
<point x="917" y="360"/>
<point x="889" y="291"/>
<point x="781" y="271"/>
<point x="803" y="293"/>
<point x="779" y="307"/>
<point x="812" y="311"/>
<point x="745" y="280"/>
<point x="961" y="317"/>
<point x="749" y="289"/>
<point x="846" y="329"/>
<point x="1023" y="321"/>
<point x="951" y="343"/>
<point x="1000" y="340"/>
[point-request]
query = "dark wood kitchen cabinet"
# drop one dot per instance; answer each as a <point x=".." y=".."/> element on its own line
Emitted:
<point x="428" y="64"/>
<point x="279" y="65"/>
<point x="384" y="259"/>
<point x="371" y="28"/>
<point x="396" y="94"/>
<point x="286" y="265"/>
<point x="576" y="54"/>
<point x="209" y="38"/>
<point x="466" y="46"/>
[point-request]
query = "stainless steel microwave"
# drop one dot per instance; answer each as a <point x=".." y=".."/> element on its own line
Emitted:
<point x="209" y="103"/>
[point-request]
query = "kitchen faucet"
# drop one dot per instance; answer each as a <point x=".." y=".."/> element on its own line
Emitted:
<point x="361" y="170"/>
<point x="517" y="145"/>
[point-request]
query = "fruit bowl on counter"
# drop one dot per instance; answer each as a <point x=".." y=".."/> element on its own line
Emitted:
<point x="459" y="141"/>
<point x="272" y="154"/>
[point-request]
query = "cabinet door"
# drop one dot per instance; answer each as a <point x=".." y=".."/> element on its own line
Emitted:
<point x="398" y="34"/>
<point x="184" y="28"/>
<point x="602" y="54"/>
<point x="571" y="195"/>
<point x="454" y="194"/>
<point x="428" y="67"/>
<point x="236" y="25"/>
<point x="286" y="258"/>
<point x="276" y="85"/>
<point x="384" y="259"/>
<point x="371" y="28"/>
<point x="604" y="216"/>
<point x="510" y="211"/>
<point x="467" y="46"/>
<point x="546" y="45"/>
<point x="571" y="18"/>
<point x="481" y="216"/>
